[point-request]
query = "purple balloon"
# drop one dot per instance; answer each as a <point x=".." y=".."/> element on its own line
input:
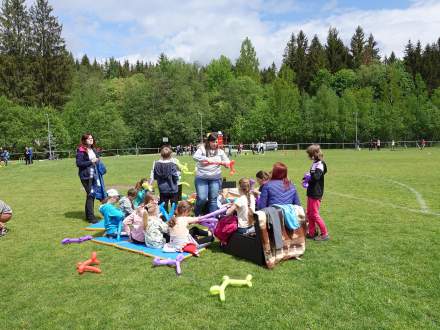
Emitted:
<point x="210" y="223"/>
<point x="214" y="214"/>
<point x="306" y="180"/>
<point x="76" y="240"/>
<point x="170" y="262"/>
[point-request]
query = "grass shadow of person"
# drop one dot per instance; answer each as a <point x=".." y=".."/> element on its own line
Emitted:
<point x="79" y="215"/>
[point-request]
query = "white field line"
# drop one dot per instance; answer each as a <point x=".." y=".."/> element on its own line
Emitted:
<point x="423" y="207"/>
<point x="377" y="202"/>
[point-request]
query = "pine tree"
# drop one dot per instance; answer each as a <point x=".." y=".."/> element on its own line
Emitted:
<point x="247" y="63"/>
<point x="269" y="75"/>
<point x="392" y="59"/>
<point x="139" y="67"/>
<point x="290" y="52"/>
<point x="96" y="67"/>
<point x="85" y="62"/>
<point x="300" y="66"/>
<point x="52" y="63"/>
<point x="357" y="47"/>
<point x="295" y="57"/>
<point x="125" y="69"/>
<point x="16" y="81"/>
<point x="316" y="58"/>
<point x="413" y="58"/>
<point x="336" y="52"/>
<point x="430" y="66"/>
<point x="371" y="53"/>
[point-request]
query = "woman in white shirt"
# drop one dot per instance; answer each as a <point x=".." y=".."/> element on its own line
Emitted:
<point x="209" y="174"/>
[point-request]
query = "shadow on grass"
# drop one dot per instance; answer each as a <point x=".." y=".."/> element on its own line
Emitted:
<point x="215" y="247"/>
<point x="79" y="215"/>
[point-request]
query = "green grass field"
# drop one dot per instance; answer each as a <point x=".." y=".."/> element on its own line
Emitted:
<point x="380" y="270"/>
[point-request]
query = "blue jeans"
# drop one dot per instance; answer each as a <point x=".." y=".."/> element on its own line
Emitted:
<point x="207" y="191"/>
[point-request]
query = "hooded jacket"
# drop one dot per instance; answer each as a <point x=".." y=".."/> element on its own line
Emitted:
<point x="167" y="176"/>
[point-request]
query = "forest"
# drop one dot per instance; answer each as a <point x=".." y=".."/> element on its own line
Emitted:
<point x="317" y="94"/>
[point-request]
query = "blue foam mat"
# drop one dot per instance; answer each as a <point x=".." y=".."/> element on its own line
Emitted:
<point x="99" y="226"/>
<point x="123" y="244"/>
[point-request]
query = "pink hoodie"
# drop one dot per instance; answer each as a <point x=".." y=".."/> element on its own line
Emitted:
<point x="136" y="222"/>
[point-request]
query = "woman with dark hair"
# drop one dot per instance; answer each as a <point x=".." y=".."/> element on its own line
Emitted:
<point x="208" y="175"/>
<point x="278" y="190"/>
<point x="86" y="161"/>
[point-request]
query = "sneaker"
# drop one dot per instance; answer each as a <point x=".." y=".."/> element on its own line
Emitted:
<point x="322" y="238"/>
<point x="312" y="237"/>
<point x="93" y="221"/>
<point x="3" y="231"/>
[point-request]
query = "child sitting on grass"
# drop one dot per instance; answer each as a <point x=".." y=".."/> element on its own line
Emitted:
<point x="126" y="202"/>
<point x="155" y="230"/>
<point x="262" y="177"/>
<point x="133" y="224"/>
<point x="5" y="216"/>
<point x="112" y="215"/>
<point x="141" y="188"/>
<point x="244" y="206"/>
<point x="182" y="238"/>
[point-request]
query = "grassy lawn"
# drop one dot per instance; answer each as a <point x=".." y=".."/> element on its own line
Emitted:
<point x="380" y="270"/>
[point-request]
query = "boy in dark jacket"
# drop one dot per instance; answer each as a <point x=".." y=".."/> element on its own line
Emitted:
<point x="165" y="172"/>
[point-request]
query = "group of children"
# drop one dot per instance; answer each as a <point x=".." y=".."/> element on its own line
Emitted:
<point x="144" y="224"/>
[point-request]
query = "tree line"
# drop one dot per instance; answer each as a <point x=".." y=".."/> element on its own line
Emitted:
<point x="318" y="93"/>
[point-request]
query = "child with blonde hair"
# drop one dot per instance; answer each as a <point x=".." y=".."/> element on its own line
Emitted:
<point x="155" y="229"/>
<point x="244" y="206"/>
<point x="315" y="191"/>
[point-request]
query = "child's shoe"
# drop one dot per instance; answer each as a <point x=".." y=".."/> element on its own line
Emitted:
<point x="312" y="236"/>
<point x="3" y="231"/>
<point x="322" y="238"/>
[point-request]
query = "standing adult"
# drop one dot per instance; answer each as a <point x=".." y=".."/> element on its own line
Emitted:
<point x="30" y="155"/>
<point x="6" y="156"/>
<point x="26" y="155"/>
<point x="208" y="175"/>
<point x="86" y="161"/>
<point x="278" y="190"/>
<point x="378" y="144"/>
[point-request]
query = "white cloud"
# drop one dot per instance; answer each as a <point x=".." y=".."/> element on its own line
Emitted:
<point x="199" y="30"/>
<point x="392" y="28"/>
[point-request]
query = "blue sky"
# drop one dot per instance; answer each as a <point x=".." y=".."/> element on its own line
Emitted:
<point x="201" y="30"/>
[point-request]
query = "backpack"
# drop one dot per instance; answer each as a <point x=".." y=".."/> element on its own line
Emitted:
<point x="226" y="226"/>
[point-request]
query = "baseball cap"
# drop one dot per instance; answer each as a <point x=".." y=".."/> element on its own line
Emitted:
<point x="112" y="193"/>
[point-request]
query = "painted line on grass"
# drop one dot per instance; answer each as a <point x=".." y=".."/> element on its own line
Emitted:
<point x="377" y="202"/>
<point x="423" y="206"/>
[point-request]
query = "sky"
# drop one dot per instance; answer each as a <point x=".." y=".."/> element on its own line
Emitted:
<point x="202" y="30"/>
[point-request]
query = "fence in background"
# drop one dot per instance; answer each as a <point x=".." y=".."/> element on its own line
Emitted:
<point x="58" y="154"/>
